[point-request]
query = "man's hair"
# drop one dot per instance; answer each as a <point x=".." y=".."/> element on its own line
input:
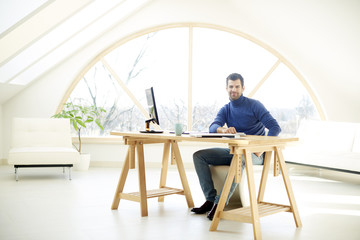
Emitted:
<point x="235" y="76"/>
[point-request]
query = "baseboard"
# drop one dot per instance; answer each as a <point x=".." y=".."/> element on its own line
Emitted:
<point x="294" y="169"/>
<point x="114" y="164"/>
<point x="147" y="164"/>
<point x="110" y="164"/>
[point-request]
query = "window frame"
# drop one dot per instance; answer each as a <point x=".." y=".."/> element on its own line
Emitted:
<point x="191" y="26"/>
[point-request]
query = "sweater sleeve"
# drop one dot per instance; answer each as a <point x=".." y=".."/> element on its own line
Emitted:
<point x="273" y="126"/>
<point x="219" y="120"/>
<point x="267" y="119"/>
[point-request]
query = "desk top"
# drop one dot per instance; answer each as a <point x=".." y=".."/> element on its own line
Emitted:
<point x="246" y="140"/>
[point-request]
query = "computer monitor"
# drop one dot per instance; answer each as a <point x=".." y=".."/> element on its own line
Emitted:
<point x="150" y="97"/>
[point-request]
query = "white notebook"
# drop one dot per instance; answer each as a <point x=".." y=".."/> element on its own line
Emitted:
<point x="217" y="135"/>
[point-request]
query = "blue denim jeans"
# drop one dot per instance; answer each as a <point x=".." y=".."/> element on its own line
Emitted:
<point x="216" y="156"/>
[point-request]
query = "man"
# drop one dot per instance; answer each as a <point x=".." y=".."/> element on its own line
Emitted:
<point x="241" y="114"/>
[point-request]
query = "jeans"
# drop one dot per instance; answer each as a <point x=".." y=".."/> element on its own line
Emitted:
<point x="216" y="156"/>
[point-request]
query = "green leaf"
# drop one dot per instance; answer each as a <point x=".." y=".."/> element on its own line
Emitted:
<point x="99" y="124"/>
<point x="79" y="121"/>
<point x="89" y="119"/>
<point x="74" y="124"/>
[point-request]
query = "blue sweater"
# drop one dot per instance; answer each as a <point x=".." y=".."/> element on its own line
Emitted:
<point x="246" y="115"/>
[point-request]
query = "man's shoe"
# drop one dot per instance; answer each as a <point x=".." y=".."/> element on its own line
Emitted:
<point x="204" y="208"/>
<point x="212" y="212"/>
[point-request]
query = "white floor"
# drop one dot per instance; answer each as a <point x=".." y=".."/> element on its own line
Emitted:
<point x="43" y="204"/>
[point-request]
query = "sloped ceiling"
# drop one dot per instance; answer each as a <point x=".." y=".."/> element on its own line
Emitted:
<point x="36" y="35"/>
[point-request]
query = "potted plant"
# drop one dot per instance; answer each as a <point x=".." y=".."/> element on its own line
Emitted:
<point x="80" y="117"/>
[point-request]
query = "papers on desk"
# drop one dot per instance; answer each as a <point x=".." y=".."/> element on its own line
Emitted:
<point x="217" y="135"/>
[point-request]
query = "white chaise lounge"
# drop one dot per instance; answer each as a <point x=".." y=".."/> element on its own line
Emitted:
<point x="327" y="144"/>
<point x="42" y="142"/>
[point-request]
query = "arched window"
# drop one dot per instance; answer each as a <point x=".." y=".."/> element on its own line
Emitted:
<point x="187" y="66"/>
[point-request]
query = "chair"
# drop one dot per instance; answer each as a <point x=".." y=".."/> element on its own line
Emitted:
<point x="240" y="197"/>
<point x="42" y="142"/>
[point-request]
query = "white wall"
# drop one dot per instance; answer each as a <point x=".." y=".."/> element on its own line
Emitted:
<point x="1" y="135"/>
<point x="40" y="99"/>
<point x="320" y="38"/>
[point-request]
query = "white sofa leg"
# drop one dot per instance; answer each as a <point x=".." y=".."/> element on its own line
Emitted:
<point x="69" y="173"/>
<point x="16" y="174"/>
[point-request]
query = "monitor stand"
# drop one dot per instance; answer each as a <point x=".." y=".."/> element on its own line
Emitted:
<point x="147" y="127"/>
<point x="151" y="131"/>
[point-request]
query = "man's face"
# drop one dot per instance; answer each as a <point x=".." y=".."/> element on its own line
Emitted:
<point x="234" y="89"/>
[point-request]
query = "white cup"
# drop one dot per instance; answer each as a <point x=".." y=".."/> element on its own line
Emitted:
<point x="179" y="129"/>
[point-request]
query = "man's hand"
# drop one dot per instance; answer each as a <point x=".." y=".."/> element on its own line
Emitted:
<point x="226" y="130"/>
<point x="233" y="130"/>
<point x="258" y="153"/>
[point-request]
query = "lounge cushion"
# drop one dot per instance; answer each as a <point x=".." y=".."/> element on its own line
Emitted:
<point x="43" y="155"/>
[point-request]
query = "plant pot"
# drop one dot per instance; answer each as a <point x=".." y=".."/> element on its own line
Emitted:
<point x="84" y="163"/>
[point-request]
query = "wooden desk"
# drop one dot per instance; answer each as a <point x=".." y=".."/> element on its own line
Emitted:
<point x="136" y="141"/>
<point x="238" y="147"/>
<point x="258" y="208"/>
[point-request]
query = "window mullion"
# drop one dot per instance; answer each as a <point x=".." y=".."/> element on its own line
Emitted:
<point x="125" y="88"/>
<point x="190" y="110"/>
<point x="267" y="75"/>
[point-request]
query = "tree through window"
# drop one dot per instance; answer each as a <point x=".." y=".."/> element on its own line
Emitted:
<point x="188" y="75"/>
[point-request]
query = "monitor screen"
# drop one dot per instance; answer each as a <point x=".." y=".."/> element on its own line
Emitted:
<point x="150" y="97"/>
